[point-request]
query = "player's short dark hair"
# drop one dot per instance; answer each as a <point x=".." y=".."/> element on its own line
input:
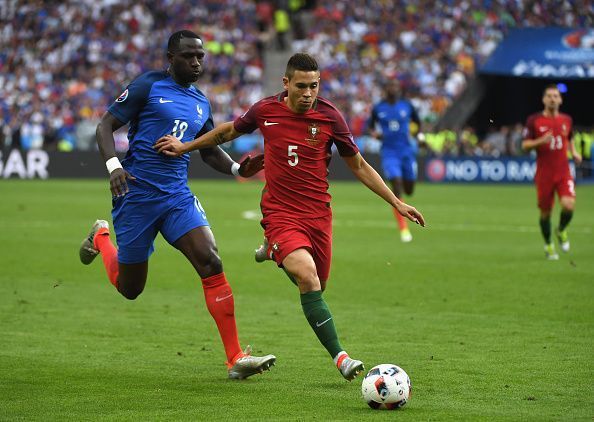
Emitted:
<point x="176" y="37"/>
<point x="301" y="61"/>
<point x="550" y="86"/>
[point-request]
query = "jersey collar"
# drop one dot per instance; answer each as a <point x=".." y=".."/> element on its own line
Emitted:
<point x="281" y="98"/>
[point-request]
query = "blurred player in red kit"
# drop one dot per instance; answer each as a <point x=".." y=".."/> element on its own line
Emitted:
<point x="299" y="129"/>
<point x="550" y="132"/>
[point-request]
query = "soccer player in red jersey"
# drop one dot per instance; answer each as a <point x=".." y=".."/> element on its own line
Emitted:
<point x="550" y="133"/>
<point x="299" y="129"/>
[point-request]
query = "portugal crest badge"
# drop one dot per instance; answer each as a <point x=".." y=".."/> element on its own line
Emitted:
<point x="313" y="131"/>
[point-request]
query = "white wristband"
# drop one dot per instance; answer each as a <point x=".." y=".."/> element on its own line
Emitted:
<point x="235" y="169"/>
<point x="112" y="164"/>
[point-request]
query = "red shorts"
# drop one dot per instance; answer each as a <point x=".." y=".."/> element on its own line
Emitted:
<point x="548" y="184"/>
<point x="287" y="234"/>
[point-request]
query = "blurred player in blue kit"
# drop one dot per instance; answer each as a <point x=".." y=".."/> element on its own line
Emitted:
<point x="151" y="195"/>
<point x="394" y="115"/>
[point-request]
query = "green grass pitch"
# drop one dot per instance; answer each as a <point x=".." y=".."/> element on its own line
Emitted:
<point x="485" y="327"/>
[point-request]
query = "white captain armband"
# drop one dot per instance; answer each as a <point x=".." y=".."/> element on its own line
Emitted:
<point x="112" y="164"/>
<point x="235" y="169"/>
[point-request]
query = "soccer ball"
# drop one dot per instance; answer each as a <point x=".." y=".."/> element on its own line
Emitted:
<point x="386" y="386"/>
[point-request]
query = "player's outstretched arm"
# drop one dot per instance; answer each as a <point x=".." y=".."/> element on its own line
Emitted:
<point x="171" y="146"/>
<point x="370" y="178"/>
<point x="104" y="134"/>
<point x="220" y="161"/>
<point x="528" y="144"/>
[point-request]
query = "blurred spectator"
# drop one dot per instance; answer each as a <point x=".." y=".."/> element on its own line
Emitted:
<point x="264" y="20"/>
<point x="495" y="143"/>
<point x="432" y="47"/>
<point x="515" y="140"/>
<point x="584" y="142"/>
<point x="63" y="63"/>
<point x="4" y="129"/>
<point x="85" y="134"/>
<point x="468" y="141"/>
<point x="282" y="25"/>
<point x="297" y="19"/>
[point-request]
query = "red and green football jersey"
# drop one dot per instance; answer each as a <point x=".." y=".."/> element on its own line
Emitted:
<point x="297" y="151"/>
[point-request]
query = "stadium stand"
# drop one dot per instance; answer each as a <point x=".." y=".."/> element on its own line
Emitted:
<point x="62" y="64"/>
<point x="432" y="47"/>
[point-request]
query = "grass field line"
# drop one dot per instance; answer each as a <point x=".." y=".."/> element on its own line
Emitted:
<point x="457" y="227"/>
<point x="253" y="215"/>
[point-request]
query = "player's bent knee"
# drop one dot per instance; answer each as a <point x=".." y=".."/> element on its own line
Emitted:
<point x="210" y="266"/>
<point x="568" y="204"/>
<point x="305" y="287"/>
<point x="308" y="281"/>
<point x="302" y="268"/>
<point x="545" y="214"/>
<point x="132" y="279"/>
<point x="130" y="293"/>
<point x="323" y="285"/>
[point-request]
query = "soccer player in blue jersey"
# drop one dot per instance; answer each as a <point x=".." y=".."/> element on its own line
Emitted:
<point x="151" y="195"/>
<point x="394" y="116"/>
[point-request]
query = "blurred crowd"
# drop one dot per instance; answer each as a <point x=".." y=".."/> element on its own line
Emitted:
<point x="63" y="63"/>
<point x="497" y="142"/>
<point x="432" y="47"/>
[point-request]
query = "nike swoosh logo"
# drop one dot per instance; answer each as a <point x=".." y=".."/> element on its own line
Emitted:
<point x="220" y="299"/>
<point x="267" y="123"/>
<point x="162" y="101"/>
<point x="319" y="324"/>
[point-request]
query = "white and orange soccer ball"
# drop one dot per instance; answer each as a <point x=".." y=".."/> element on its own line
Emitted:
<point x="386" y="386"/>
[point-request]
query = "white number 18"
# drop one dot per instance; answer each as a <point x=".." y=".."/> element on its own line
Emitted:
<point x="179" y="129"/>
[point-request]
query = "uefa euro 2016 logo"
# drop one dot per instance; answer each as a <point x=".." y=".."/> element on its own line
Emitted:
<point x="123" y="96"/>
<point x="582" y="38"/>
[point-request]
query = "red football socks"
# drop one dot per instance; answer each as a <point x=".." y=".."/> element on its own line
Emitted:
<point x="109" y="254"/>
<point x="402" y="223"/>
<point x="220" y="304"/>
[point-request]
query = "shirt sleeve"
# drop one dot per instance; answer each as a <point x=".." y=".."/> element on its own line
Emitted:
<point x="570" y="134"/>
<point x="247" y="122"/>
<point x="528" y="132"/>
<point x="130" y="103"/>
<point x="414" y="116"/>
<point x="372" y="119"/>
<point x="342" y="137"/>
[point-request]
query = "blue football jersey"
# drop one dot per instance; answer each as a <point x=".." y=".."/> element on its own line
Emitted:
<point x="394" y="120"/>
<point x="155" y="105"/>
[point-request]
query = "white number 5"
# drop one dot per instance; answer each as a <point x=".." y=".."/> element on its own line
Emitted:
<point x="291" y="153"/>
